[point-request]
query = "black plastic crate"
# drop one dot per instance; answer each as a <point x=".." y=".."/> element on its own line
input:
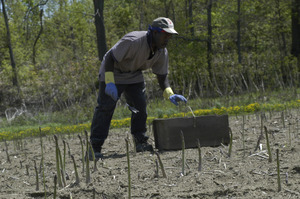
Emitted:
<point x="210" y="130"/>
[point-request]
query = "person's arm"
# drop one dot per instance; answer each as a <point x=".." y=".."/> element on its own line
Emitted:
<point x="110" y="88"/>
<point x="109" y="62"/>
<point x="165" y="86"/>
<point x="109" y="68"/>
<point x="168" y="92"/>
<point x="163" y="81"/>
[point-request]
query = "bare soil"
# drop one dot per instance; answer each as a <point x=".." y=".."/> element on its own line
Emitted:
<point x="246" y="174"/>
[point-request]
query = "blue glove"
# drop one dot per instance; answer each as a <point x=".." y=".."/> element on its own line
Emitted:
<point x="175" y="98"/>
<point x="111" y="90"/>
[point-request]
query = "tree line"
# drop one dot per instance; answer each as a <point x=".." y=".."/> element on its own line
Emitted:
<point x="51" y="50"/>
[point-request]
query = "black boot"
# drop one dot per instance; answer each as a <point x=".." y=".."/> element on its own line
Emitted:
<point x="142" y="145"/>
<point x="98" y="155"/>
<point x="97" y="146"/>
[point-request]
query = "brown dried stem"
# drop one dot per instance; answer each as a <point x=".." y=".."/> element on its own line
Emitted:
<point x="183" y="150"/>
<point x="278" y="170"/>
<point x="6" y="150"/>
<point x="230" y="143"/>
<point x="36" y="176"/>
<point x="268" y="144"/>
<point x="58" y="172"/>
<point x="161" y="165"/>
<point x="128" y="162"/>
<point x="200" y="156"/>
<point x="82" y="153"/>
<point x="75" y="169"/>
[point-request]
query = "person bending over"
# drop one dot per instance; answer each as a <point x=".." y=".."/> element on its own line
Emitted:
<point x="121" y="73"/>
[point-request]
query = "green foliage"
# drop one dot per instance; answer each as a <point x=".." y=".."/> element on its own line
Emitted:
<point x="8" y="134"/>
<point x="64" y="76"/>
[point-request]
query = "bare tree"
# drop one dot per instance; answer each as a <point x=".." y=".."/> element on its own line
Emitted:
<point x="41" y="3"/>
<point x="12" y="59"/>
<point x="238" y="42"/>
<point x="296" y="31"/>
<point x="37" y="38"/>
<point x="100" y="28"/>
<point x="192" y="29"/>
<point x="209" y="31"/>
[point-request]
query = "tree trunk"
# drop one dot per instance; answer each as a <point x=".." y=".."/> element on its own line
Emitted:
<point x="100" y="28"/>
<point x="296" y="32"/>
<point x="286" y="77"/>
<point x="238" y="42"/>
<point x="12" y="59"/>
<point x="37" y="38"/>
<point x="209" y="48"/>
<point x="142" y="14"/>
<point x="192" y="30"/>
<point x="166" y="8"/>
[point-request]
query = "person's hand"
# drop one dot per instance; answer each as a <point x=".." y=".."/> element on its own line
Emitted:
<point x="112" y="91"/>
<point x="175" y="98"/>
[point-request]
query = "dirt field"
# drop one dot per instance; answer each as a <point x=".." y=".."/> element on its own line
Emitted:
<point x="246" y="174"/>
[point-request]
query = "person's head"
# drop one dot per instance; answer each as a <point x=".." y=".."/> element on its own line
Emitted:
<point x="162" y="30"/>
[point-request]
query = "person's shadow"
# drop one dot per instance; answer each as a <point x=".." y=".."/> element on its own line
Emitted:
<point x="114" y="156"/>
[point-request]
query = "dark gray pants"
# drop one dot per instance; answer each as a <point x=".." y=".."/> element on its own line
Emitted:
<point x="135" y="96"/>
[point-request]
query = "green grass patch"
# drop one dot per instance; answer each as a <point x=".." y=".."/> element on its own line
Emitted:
<point x="10" y="133"/>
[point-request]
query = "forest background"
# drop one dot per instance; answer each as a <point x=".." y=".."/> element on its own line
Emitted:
<point x="50" y="57"/>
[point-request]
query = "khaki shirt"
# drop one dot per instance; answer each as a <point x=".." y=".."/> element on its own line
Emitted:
<point x="131" y="55"/>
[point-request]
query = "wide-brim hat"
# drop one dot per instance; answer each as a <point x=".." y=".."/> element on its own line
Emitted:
<point x="165" y="24"/>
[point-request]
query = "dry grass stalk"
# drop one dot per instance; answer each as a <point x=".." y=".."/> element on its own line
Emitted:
<point x="82" y="153"/>
<point x="278" y="170"/>
<point x="64" y="158"/>
<point x="134" y="145"/>
<point x="41" y="165"/>
<point x="297" y="126"/>
<point x="27" y="169"/>
<point x="200" y="156"/>
<point x="290" y="138"/>
<point x="230" y="143"/>
<point x="94" y="193"/>
<point x="6" y="150"/>
<point x="243" y="135"/>
<point x="42" y="154"/>
<point x="261" y="124"/>
<point x="156" y="169"/>
<point x="36" y="176"/>
<point x="88" y="174"/>
<point x="69" y="150"/>
<point x="94" y="159"/>
<point x="282" y="119"/>
<point x="161" y="165"/>
<point x="55" y="187"/>
<point x="75" y="169"/>
<point x="258" y="141"/>
<point x="291" y="191"/>
<point x="128" y="163"/>
<point x="58" y="172"/>
<point x="62" y="170"/>
<point x="268" y="144"/>
<point x="183" y="150"/>
<point x="42" y="169"/>
<point x="261" y="154"/>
